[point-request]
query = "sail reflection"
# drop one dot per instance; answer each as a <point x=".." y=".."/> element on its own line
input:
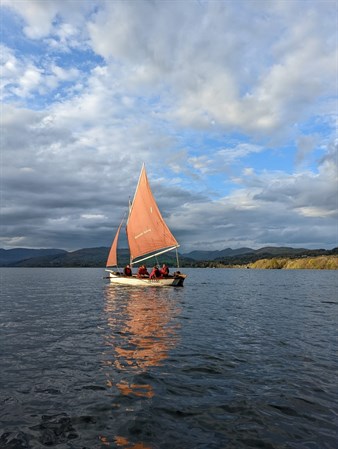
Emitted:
<point x="123" y="442"/>
<point x="142" y="329"/>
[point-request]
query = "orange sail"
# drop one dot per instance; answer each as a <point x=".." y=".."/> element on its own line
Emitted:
<point x="112" y="257"/>
<point x="147" y="232"/>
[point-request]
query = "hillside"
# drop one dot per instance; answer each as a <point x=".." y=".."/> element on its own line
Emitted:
<point x="96" y="257"/>
<point x="217" y="255"/>
<point x="266" y="253"/>
<point x="12" y="256"/>
<point x="87" y="257"/>
<point x="318" y="263"/>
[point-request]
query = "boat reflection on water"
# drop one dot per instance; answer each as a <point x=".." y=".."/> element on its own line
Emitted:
<point x="142" y="329"/>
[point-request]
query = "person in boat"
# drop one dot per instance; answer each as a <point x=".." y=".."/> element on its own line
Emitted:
<point x="155" y="273"/>
<point x="164" y="271"/>
<point x="142" y="271"/>
<point x="127" y="271"/>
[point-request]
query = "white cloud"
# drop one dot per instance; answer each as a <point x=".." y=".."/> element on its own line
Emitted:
<point x="28" y="82"/>
<point x="11" y="69"/>
<point x="22" y="78"/>
<point x="239" y="152"/>
<point x="195" y="88"/>
<point x="260" y="80"/>
<point x="93" y="216"/>
<point x="41" y="16"/>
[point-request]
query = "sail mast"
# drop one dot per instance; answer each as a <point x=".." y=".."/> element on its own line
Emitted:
<point x="177" y="259"/>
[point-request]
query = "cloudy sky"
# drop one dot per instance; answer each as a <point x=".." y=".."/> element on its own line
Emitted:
<point x="232" y="105"/>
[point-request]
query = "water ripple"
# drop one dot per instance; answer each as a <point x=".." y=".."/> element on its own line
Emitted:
<point x="237" y="359"/>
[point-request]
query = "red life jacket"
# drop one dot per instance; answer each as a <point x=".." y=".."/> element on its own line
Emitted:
<point x="165" y="271"/>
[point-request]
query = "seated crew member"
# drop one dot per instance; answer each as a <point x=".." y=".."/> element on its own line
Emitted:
<point x="127" y="271"/>
<point x="155" y="273"/>
<point x="164" y="270"/>
<point x="142" y="271"/>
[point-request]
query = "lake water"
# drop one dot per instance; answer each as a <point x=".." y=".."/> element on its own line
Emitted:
<point x="235" y="359"/>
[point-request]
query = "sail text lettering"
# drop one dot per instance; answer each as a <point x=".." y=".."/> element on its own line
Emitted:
<point x="142" y="233"/>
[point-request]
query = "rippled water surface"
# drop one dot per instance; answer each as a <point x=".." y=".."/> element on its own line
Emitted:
<point x="235" y="359"/>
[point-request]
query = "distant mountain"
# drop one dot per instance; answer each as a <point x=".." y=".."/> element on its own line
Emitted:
<point x="87" y="257"/>
<point x="216" y="255"/>
<point x="11" y="256"/>
<point x="96" y="257"/>
<point x="280" y="250"/>
<point x="248" y="254"/>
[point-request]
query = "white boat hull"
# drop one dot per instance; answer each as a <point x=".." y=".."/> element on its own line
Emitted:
<point x="172" y="281"/>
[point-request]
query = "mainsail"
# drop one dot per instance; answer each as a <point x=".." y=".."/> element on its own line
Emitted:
<point x="147" y="231"/>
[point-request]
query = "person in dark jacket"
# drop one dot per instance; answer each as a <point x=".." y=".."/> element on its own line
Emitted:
<point x="155" y="273"/>
<point x="127" y="271"/>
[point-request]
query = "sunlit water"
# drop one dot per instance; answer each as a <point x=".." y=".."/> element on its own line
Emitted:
<point x="235" y="359"/>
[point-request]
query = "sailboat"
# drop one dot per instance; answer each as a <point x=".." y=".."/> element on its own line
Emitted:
<point x="148" y="236"/>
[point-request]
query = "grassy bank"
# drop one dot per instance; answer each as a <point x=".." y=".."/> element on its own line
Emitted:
<point x="306" y="263"/>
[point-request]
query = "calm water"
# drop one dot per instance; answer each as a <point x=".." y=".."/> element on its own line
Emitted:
<point x="235" y="359"/>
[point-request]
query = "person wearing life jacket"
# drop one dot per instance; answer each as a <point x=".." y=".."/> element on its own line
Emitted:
<point x="155" y="273"/>
<point x="127" y="271"/>
<point x="164" y="271"/>
<point x="142" y="271"/>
